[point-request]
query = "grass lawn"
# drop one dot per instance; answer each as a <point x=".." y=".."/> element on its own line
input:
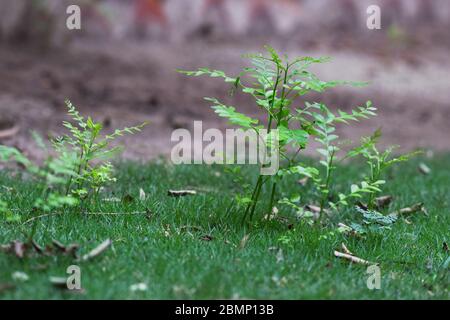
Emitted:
<point x="190" y="247"/>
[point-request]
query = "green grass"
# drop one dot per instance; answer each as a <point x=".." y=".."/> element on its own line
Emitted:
<point x="164" y="249"/>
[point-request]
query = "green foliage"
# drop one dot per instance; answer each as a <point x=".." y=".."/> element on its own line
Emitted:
<point x="177" y="225"/>
<point x="276" y="84"/>
<point x="230" y="113"/>
<point x="377" y="161"/>
<point x="7" y="214"/>
<point x="75" y="168"/>
<point x="49" y="177"/>
<point x="324" y="122"/>
<point x="91" y="150"/>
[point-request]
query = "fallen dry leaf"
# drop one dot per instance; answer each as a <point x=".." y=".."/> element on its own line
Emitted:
<point x="10" y="131"/>
<point x="8" y="189"/>
<point x="303" y="181"/>
<point x="429" y="264"/>
<point x="424" y="169"/>
<point x="384" y="201"/>
<point x="228" y="242"/>
<point x="315" y="210"/>
<point x="20" y="276"/>
<point x="98" y="250"/>
<point x="59" y="282"/>
<point x="280" y="256"/>
<point x="166" y="230"/>
<point x="362" y="205"/>
<point x="142" y="194"/>
<point x="6" y="286"/>
<point x="344" y="227"/>
<point x="312" y="208"/>
<point x="410" y="210"/>
<point x="71" y="249"/>
<point x="199" y="189"/>
<point x="37" y="247"/>
<point x="206" y="237"/>
<point x="5" y="247"/>
<point x="181" y="193"/>
<point x="273" y="215"/>
<point x="49" y="249"/>
<point x="138" y="287"/>
<point x="19" y="249"/>
<point x="58" y="245"/>
<point x="244" y="241"/>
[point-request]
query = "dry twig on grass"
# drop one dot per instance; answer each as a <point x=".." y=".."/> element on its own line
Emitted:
<point x="345" y="249"/>
<point x="410" y="210"/>
<point x="181" y="193"/>
<point x="98" y="250"/>
<point x="351" y="258"/>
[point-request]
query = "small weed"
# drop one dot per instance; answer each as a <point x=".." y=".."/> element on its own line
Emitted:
<point x="75" y="169"/>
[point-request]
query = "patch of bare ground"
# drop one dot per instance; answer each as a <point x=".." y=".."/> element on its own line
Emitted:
<point x="127" y="83"/>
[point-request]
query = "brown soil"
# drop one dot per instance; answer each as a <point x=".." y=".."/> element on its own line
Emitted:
<point x="126" y="83"/>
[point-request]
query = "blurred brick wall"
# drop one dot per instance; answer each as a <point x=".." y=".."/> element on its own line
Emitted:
<point x="44" y="20"/>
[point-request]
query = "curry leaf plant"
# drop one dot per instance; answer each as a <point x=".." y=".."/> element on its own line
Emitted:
<point x="49" y="177"/>
<point x="377" y="161"/>
<point x="91" y="149"/>
<point x="76" y="166"/>
<point x="278" y="86"/>
<point x="324" y="123"/>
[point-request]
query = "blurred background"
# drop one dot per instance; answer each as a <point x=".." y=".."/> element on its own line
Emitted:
<point x="121" y="66"/>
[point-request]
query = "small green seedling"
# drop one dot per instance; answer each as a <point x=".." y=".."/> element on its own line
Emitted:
<point x="91" y="149"/>
<point x="377" y="161"/>
<point x="75" y="168"/>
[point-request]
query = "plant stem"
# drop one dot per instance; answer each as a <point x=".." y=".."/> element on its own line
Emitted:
<point x="255" y="195"/>
<point x="69" y="184"/>
<point x="283" y="97"/>
<point x="327" y="183"/>
<point x="252" y="198"/>
<point x="375" y="177"/>
<point x="255" y="201"/>
<point x="257" y="190"/>
<point x="83" y="166"/>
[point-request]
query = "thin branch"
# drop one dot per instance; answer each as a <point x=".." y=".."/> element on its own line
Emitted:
<point x="351" y="258"/>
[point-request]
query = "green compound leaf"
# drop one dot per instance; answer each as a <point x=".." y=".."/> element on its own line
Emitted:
<point x="232" y="115"/>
